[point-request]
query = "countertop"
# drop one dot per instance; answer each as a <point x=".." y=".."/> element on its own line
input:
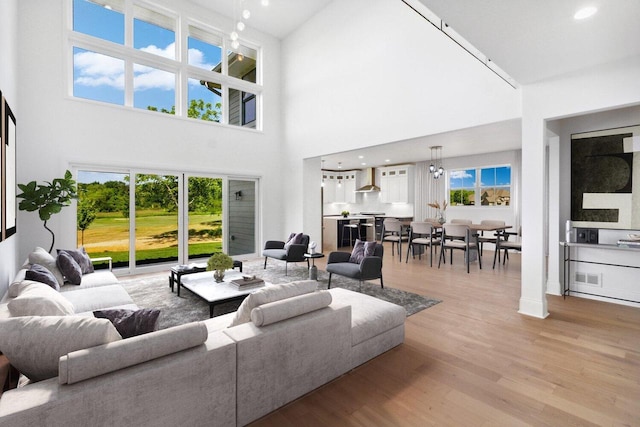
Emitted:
<point x="341" y="218"/>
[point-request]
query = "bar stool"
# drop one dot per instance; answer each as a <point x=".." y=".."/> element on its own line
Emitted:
<point x="353" y="224"/>
<point x="367" y="226"/>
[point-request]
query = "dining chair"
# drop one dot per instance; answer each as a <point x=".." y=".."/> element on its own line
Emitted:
<point x="489" y="239"/>
<point x="392" y="231"/>
<point x="422" y="234"/>
<point x="503" y="243"/>
<point x="459" y="236"/>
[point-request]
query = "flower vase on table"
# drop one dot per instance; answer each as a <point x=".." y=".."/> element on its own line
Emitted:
<point x="218" y="263"/>
<point x="441" y="218"/>
<point x="218" y="275"/>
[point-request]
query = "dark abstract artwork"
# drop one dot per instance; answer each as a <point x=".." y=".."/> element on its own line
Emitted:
<point x="602" y="176"/>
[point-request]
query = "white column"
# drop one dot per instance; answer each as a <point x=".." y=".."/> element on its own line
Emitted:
<point x="553" y="261"/>
<point x="533" y="301"/>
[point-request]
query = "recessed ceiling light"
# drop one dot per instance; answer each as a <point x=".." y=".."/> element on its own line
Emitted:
<point x="363" y="164"/>
<point x="585" y="12"/>
<point x="387" y="160"/>
<point x="361" y="157"/>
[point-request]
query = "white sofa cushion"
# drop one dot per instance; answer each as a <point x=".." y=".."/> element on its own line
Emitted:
<point x="39" y="299"/>
<point x="98" y="298"/>
<point x="45" y="259"/>
<point x="93" y="280"/>
<point x="277" y="311"/>
<point x="91" y="362"/>
<point x="370" y="316"/>
<point x="271" y="294"/>
<point x="34" y="344"/>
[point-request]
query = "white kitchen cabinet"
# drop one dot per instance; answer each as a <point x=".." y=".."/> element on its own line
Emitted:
<point x="339" y="187"/>
<point x="396" y="184"/>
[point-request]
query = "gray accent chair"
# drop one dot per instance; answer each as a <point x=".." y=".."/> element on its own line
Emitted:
<point x="370" y="268"/>
<point x="294" y="253"/>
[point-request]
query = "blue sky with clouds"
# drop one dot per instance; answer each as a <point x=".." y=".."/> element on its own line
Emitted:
<point x="101" y="77"/>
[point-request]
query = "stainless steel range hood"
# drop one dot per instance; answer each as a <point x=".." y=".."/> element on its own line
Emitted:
<point x="370" y="186"/>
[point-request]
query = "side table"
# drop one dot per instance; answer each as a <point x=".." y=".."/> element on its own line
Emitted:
<point x="313" y="270"/>
<point x="177" y="271"/>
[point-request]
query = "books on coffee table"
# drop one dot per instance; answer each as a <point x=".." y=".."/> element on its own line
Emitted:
<point x="247" y="282"/>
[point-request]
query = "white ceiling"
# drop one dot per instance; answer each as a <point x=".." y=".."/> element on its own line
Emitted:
<point x="278" y="19"/>
<point x="531" y="40"/>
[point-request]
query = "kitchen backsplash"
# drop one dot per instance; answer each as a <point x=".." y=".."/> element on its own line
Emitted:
<point x="369" y="202"/>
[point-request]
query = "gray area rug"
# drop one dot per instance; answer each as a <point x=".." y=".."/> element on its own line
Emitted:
<point x="153" y="291"/>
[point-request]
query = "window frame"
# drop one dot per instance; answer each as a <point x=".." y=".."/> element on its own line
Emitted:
<point x="179" y="66"/>
<point x="477" y="187"/>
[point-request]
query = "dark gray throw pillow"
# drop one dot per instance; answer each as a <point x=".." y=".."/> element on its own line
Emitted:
<point x="81" y="257"/>
<point x="69" y="268"/>
<point x="41" y="274"/>
<point x="130" y="323"/>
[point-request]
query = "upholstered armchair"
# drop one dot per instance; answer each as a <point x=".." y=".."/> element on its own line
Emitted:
<point x="369" y="268"/>
<point x="291" y="251"/>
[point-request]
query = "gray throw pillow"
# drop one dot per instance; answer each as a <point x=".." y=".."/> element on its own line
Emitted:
<point x="294" y="239"/>
<point x="69" y="268"/>
<point x="81" y="257"/>
<point x="38" y="273"/>
<point x="48" y="261"/>
<point x="361" y="250"/>
<point x="130" y="323"/>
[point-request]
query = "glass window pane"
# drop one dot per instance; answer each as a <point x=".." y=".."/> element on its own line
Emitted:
<point x="154" y="33"/>
<point x="156" y="218"/>
<point x="103" y="216"/>
<point x="487" y="177"/>
<point x="204" y="50"/>
<point x="205" y="216"/>
<point x="101" y="19"/>
<point x="242" y="108"/>
<point x="462" y="178"/>
<point x="205" y="100"/>
<point x="242" y="64"/>
<point x="98" y="77"/>
<point x="153" y="89"/>
<point x="503" y="175"/>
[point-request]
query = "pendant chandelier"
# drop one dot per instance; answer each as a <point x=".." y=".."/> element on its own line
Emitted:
<point x="435" y="168"/>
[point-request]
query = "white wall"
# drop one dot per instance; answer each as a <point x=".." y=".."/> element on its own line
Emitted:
<point x="368" y="72"/>
<point x="57" y="131"/>
<point x="9" y="88"/>
<point x="602" y="88"/>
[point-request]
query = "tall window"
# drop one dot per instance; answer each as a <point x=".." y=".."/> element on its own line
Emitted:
<point x="462" y="185"/>
<point x="145" y="70"/>
<point x="490" y="186"/>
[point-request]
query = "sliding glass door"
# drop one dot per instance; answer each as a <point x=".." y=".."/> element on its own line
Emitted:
<point x="143" y="218"/>
<point x="204" y="216"/>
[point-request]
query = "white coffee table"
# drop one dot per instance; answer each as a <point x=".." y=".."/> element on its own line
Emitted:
<point x="204" y="286"/>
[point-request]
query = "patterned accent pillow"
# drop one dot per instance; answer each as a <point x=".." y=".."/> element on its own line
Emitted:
<point x="69" y="268"/>
<point x="81" y="257"/>
<point x="362" y="250"/>
<point x="130" y="323"/>
<point x="294" y="239"/>
<point x="38" y="273"/>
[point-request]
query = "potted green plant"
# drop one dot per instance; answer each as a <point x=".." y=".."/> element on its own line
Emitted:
<point x="218" y="263"/>
<point x="345" y="213"/>
<point x="48" y="198"/>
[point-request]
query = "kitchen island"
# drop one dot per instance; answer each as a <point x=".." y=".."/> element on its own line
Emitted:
<point x="332" y="236"/>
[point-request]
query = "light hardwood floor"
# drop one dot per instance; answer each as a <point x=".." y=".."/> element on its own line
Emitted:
<point x="472" y="360"/>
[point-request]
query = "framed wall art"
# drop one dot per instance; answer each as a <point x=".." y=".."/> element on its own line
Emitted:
<point x="10" y="211"/>
<point x="605" y="165"/>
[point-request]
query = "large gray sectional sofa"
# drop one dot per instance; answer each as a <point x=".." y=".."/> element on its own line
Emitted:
<point x="202" y="373"/>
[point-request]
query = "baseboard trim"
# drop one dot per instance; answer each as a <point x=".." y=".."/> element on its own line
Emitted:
<point x="533" y="308"/>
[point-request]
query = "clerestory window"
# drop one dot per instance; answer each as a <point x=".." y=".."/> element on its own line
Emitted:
<point x="128" y="53"/>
